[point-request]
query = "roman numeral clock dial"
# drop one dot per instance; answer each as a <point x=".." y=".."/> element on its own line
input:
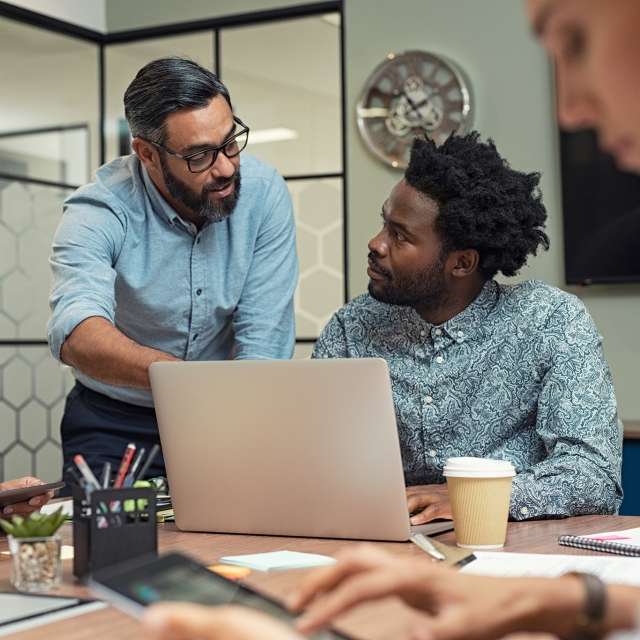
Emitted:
<point x="412" y="94"/>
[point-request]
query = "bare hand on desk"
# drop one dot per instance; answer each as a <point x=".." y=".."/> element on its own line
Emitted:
<point x="427" y="502"/>
<point x="459" y="606"/>
<point x="181" y="621"/>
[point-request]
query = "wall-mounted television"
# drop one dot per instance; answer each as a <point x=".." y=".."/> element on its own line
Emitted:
<point x="601" y="213"/>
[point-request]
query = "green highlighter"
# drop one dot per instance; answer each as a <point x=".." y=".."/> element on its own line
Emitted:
<point x="129" y="505"/>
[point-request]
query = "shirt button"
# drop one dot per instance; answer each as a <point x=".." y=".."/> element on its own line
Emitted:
<point x="428" y="399"/>
<point x="524" y="510"/>
<point x="438" y="332"/>
<point x="198" y="292"/>
<point x="439" y="359"/>
<point x="432" y="453"/>
<point x="460" y="334"/>
<point x="423" y="333"/>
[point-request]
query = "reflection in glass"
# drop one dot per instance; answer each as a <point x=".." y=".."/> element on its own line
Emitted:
<point x="49" y="81"/>
<point x="123" y="61"/>
<point x="284" y="80"/>
<point x="59" y="155"/>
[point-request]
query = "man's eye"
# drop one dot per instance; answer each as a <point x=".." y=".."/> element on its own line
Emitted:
<point x="199" y="156"/>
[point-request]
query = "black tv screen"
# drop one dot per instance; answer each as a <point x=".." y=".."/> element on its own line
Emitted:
<point x="601" y="212"/>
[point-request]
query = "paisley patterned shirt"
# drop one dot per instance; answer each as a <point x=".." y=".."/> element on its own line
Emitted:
<point x="518" y="375"/>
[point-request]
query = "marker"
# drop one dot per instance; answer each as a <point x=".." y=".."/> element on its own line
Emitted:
<point x="106" y="475"/>
<point x="150" y="458"/>
<point x="86" y="472"/>
<point x="128" y="481"/>
<point x="420" y="540"/>
<point x="124" y="465"/>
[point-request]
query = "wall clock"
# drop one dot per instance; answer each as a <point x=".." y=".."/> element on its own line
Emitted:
<point x="411" y="94"/>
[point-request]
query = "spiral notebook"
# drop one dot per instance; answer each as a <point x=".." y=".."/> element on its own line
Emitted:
<point x="624" y="543"/>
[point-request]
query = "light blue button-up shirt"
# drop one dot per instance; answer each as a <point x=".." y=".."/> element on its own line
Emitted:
<point x="518" y="375"/>
<point x="226" y="291"/>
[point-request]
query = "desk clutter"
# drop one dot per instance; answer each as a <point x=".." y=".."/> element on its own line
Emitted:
<point x="113" y="521"/>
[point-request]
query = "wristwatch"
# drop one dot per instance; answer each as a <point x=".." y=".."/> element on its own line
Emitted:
<point x="589" y="623"/>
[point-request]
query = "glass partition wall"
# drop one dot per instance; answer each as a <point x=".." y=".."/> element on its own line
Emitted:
<point x="61" y="115"/>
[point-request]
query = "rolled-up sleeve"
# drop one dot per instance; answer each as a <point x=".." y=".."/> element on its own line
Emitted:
<point x="84" y="251"/>
<point x="577" y="422"/>
<point x="264" y="321"/>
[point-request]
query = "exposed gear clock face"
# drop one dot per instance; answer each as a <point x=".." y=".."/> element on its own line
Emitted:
<point x="412" y="94"/>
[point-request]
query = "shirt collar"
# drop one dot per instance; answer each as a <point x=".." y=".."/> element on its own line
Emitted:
<point x="464" y="325"/>
<point x="472" y="318"/>
<point x="159" y="204"/>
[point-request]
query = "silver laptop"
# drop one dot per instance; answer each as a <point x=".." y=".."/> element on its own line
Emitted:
<point x="283" y="447"/>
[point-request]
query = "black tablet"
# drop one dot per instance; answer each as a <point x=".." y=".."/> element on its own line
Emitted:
<point x="13" y="496"/>
<point x="175" y="577"/>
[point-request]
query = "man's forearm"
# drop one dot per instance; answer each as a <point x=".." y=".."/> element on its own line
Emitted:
<point x="101" y="351"/>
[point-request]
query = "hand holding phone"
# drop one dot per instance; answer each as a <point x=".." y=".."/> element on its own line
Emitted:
<point x="15" y="495"/>
<point x="174" y="577"/>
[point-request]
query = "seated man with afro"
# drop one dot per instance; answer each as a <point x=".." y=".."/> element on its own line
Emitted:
<point x="478" y="367"/>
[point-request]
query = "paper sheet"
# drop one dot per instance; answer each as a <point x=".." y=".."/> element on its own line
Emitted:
<point x="278" y="560"/>
<point x="613" y="569"/>
<point x="67" y="507"/>
<point x="626" y="536"/>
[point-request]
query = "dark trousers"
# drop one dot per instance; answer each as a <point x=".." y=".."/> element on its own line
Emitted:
<point x="100" y="428"/>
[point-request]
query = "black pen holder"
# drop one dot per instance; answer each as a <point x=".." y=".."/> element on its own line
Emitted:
<point x="112" y="526"/>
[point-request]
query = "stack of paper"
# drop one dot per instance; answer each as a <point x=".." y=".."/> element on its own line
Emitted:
<point x="278" y="560"/>
<point x="610" y="569"/>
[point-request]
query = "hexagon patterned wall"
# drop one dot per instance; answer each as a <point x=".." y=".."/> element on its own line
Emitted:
<point x="32" y="384"/>
<point x="318" y="209"/>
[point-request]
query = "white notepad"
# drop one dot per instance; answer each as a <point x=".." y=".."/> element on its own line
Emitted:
<point x="610" y="569"/>
<point x="278" y="560"/>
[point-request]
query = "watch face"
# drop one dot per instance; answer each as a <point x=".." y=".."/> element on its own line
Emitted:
<point x="412" y="94"/>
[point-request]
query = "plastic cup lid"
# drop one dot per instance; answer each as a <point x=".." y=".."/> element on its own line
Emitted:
<point x="478" y="468"/>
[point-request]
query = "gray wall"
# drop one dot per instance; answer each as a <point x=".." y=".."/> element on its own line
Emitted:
<point x="512" y="85"/>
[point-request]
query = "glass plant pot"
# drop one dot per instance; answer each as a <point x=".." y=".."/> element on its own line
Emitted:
<point x="37" y="563"/>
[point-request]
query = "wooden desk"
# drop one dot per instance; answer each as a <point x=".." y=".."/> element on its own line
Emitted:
<point x="387" y="619"/>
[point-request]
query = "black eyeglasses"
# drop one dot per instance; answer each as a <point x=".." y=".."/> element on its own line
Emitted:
<point x="201" y="160"/>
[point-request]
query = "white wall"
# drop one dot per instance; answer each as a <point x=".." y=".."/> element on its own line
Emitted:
<point x="90" y="14"/>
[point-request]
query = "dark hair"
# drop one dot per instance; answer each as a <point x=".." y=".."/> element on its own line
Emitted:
<point x="483" y="203"/>
<point x="163" y="87"/>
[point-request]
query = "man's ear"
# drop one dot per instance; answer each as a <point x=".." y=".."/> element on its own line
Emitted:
<point x="465" y="262"/>
<point x="147" y="153"/>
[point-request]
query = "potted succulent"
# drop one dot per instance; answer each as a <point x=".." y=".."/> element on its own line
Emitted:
<point x="35" y="547"/>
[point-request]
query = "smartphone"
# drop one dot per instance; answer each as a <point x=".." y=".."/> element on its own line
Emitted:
<point x="133" y="585"/>
<point x="13" y="496"/>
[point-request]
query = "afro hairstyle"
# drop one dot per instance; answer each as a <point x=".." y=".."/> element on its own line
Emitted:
<point x="483" y="203"/>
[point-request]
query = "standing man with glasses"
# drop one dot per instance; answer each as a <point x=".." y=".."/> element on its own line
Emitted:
<point x="184" y="250"/>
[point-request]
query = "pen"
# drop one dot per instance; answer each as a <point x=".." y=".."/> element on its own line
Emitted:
<point x="86" y="472"/>
<point x="150" y="458"/>
<point x="106" y="475"/>
<point x="124" y="465"/>
<point x="74" y="474"/>
<point x="128" y="481"/>
<point x="421" y="541"/>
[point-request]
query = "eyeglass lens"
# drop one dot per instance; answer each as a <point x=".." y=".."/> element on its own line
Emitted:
<point x="204" y="160"/>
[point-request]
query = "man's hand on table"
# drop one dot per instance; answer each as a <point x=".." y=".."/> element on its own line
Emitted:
<point x="24" y="508"/>
<point x="198" y="622"/>
<point x="427" y="502"/>
<point x="452" y="606"/>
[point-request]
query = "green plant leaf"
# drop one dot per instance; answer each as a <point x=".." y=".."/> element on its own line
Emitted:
<point x="37" y="525"/>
